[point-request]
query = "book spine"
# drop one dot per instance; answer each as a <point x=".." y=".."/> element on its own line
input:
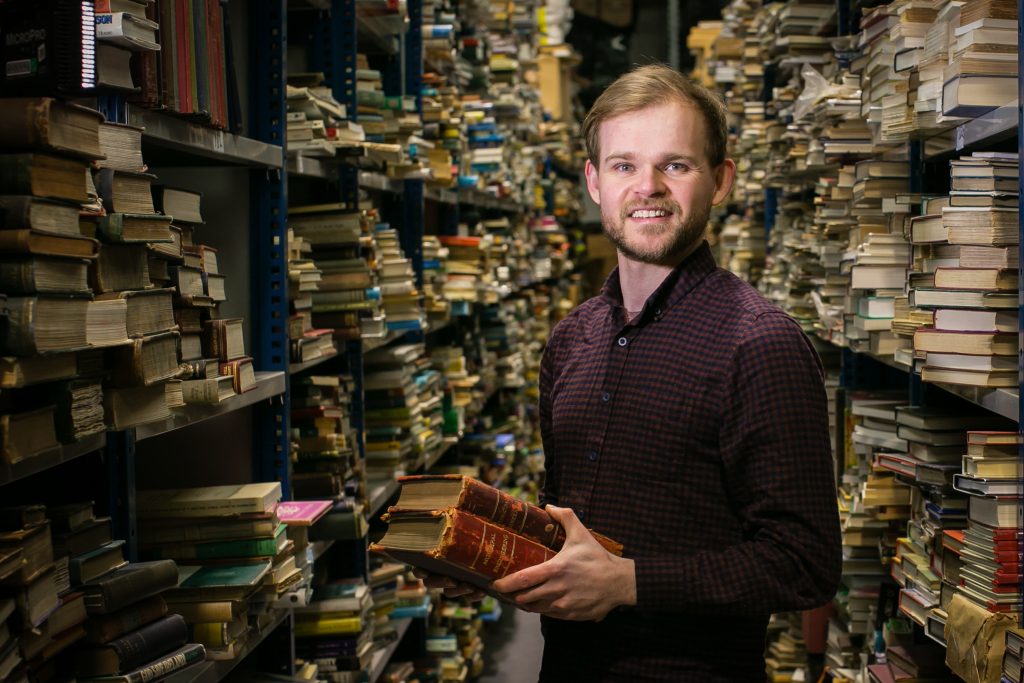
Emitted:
<point x="192" y="653"/>
<point x="511" y="513"/>
<point x="111" y="227"/>
<point x="487" y="548"/>
<point x="149" y="642"/>
<point x="17" y="278"/>
<point x="103" y="629"/>
<point x="125" y="587"/>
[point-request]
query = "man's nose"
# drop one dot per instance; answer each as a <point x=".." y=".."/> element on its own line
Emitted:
<point x="650" y="182"/>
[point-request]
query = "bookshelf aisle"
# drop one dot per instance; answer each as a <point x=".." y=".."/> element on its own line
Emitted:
<point x="877" y="202"/>
<point x="302" y="251"/>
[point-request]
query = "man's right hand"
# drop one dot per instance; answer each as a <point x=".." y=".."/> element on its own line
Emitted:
<point x="451" y="587"/>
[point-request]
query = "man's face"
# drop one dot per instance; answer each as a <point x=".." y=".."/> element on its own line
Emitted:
<point x="654" y="183"/>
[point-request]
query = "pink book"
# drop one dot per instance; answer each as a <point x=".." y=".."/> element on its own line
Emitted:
<point x="302" y="512"/>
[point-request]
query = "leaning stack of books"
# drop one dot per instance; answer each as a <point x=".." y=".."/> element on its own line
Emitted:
<point x="392" y="412"/>
<point x="327" y="461"/>
<point x="401" y="300"/>
<point x="307" y="343"/>
<point x="228" y="540"/>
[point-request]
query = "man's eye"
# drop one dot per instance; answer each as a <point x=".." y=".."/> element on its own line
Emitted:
<point x="624" y="167"/>
<point x="676" y="168"/>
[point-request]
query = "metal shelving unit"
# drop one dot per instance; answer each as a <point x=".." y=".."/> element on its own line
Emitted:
<point x="51" y="458"/>
<point x="165" y="137"/>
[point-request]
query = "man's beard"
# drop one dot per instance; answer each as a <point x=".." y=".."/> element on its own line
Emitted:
<point x="685" y="236"/>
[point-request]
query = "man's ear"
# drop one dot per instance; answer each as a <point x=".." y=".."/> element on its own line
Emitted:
<point x="725" y="175"/>
<point x="591" y="172"/>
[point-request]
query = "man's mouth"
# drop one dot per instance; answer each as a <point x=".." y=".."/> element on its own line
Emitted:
<point x="648" y="213"/>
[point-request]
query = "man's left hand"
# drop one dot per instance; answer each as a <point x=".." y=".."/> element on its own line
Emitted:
<point x="583" y="582"/>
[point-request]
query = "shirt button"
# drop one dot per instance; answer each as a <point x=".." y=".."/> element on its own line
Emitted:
<point x="623" y="341"/>
<point x="606" y="396"/>
<point x="591" y="456"/>
<point x="581" y="514"/>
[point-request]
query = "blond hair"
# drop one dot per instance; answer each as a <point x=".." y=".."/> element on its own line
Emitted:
<point x="650" y="85"/>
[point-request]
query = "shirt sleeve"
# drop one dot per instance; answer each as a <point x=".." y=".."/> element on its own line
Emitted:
<point x="779" y="475"/>
<point x="546" y="382"/>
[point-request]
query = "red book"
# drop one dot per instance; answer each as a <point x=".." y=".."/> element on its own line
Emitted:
<point x="459" y="544"/>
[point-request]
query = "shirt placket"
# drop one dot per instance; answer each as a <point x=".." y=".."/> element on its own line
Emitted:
<point x="594" y="446"/>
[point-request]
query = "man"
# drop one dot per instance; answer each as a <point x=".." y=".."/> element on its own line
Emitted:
<point x="682" y="415"/>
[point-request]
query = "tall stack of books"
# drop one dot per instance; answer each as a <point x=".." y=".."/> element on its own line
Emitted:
<point x="466" y="271"/>
<point x="982" y="74"/>
<point x="972" y="338"/>
<point x="307" y="343"/>
<point x="230" y="542"/>
<point x="402" y="302"/>
<point x="119" y="34"/>
<point x="317" y="124"/>
<point x="393" y="412"/>
<point x="327" y="462"/>
<point x="435" y="304"/>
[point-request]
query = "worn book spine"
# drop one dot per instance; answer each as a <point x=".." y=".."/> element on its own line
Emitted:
<point x="149" y="642"/>
<point x="190" y="654"/>
<point x="474" y="550"/>
<point x="129" y="584"/>
<point x="517" y="515"/>
<point x="103" y="629"/>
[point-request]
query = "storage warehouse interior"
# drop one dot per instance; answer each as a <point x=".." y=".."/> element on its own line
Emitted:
<point x="260" y="260"/>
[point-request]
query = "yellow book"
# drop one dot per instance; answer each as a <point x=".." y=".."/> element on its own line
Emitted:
<point x="328" y="626"/>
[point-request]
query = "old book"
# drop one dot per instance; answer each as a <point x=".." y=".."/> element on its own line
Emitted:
<point x="21" y="372"/>
<point x="977" y="343"/>
<point x="181" y="204"/>
<point x="190" y="552"/>
<point x="124" y="191"/>
<point x="195" y="530"/>
<point x="25" y="212"/>
<point x="88" y="536"/>
<point x="218" y="582"/>
<point x="129" y="584"/>
<point x="214" y="286"/>
<point x="242" y="373"/>
<point x="44" y="275"/>
<point x="27" y="434"/>
<point x="988" y="279"/>
<point x="135" y="227"/>
<point x="169" y="250"/>
<point x="431" y="492"/>
<point x="976" y="378"/>
<point x="44" y="175"/>
<point x="37" y="599"/>
<point x="79" y="409"/>
<point x="187" y="280"/>
<point x="969" y="320"/>
<point x="133" y="406"/>
<point x="961" y="298"/>
<point x="206" y="255"/>
<point x="120" y="267"/>
<point x="223" y="339"/>
<point x="994" y="511"/>
<point x="47" y="244"/>
<point x="107" y="323"/>
<point x="147" y="360"/>
<point x="95" y="563"/>
<point x="455" y="543"/>
<point x="207" y="391"/>
<point x="104" y="628"/>
<point x="36" y="551"/>
<point x="204" y="501"/>
<point x="133" y="649"/>
<point x="165" y="665"/>
<point x="121" y="143"/>
<point x="37" y="324"/>
<point x="149" y="311"/>
<point x="30" y="123"/>
<point x="54" y="633"/>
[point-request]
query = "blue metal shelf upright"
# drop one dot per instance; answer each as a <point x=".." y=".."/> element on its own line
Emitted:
<point x="268" y="191"/>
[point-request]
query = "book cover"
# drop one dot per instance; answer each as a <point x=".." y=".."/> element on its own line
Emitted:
<point x="433" y="491"/>
<point x="459" y="544"/>
<point x="133" y="649"/>
<point x="128" y="585"/>
<point x="205" y="501"/>
<point x="303" y="512"/>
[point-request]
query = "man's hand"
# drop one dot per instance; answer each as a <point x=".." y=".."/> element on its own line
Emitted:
<point x="583" y="582"/>
<point x="451" y="587"/>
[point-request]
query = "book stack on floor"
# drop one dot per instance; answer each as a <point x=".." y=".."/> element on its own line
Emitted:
<point x="47" y="148"/>
<point x="972" y="338"/>
<point x="307" y="343"/>
<point x="402" y="302"/>
<point x="327" y="461"/>
<point x="335" y="630"/>
<point x="233" y="553"/>
<point x="393" y="414"/>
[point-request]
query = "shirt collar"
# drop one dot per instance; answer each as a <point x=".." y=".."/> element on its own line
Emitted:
<point x="676" y="285"/>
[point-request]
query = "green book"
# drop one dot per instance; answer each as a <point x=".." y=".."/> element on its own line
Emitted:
<point x="219" y="581"/>
<point x="242" y="547"/>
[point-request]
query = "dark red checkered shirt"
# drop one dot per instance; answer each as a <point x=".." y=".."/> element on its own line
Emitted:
<point x="697" y="436"/>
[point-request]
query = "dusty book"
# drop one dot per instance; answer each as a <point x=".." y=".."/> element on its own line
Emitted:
<point x="431" y="492"/>
<point x="459" y="544"/>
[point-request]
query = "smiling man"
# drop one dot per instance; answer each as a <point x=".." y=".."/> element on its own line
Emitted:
<point x="684" y="416"/>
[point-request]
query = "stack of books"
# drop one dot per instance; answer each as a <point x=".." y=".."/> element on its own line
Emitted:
<point x="334" y="630"/>
<point x="401" y="300"/>
<point x="435" y="304"/>
<point x="307" y="343"/>
<point x="325" y="446"/>
<point x="392" y="411"/>
<point x="317" y="124"/>
<point x="231" y="544"/>
<point x="466" y="270"/>
<point x="119" y="34"/>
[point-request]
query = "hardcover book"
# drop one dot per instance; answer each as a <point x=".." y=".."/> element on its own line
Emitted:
<point x="435" y="491"/>
<point x="129" y="584"/>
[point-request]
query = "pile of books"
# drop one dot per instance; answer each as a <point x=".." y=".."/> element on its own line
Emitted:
<point x="327" y="463"/>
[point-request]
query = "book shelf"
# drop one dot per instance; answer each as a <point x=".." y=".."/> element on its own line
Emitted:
<point x="212" y="671"/>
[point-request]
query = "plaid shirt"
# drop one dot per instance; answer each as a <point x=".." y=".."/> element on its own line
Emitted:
<point x="697" y="436"/>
